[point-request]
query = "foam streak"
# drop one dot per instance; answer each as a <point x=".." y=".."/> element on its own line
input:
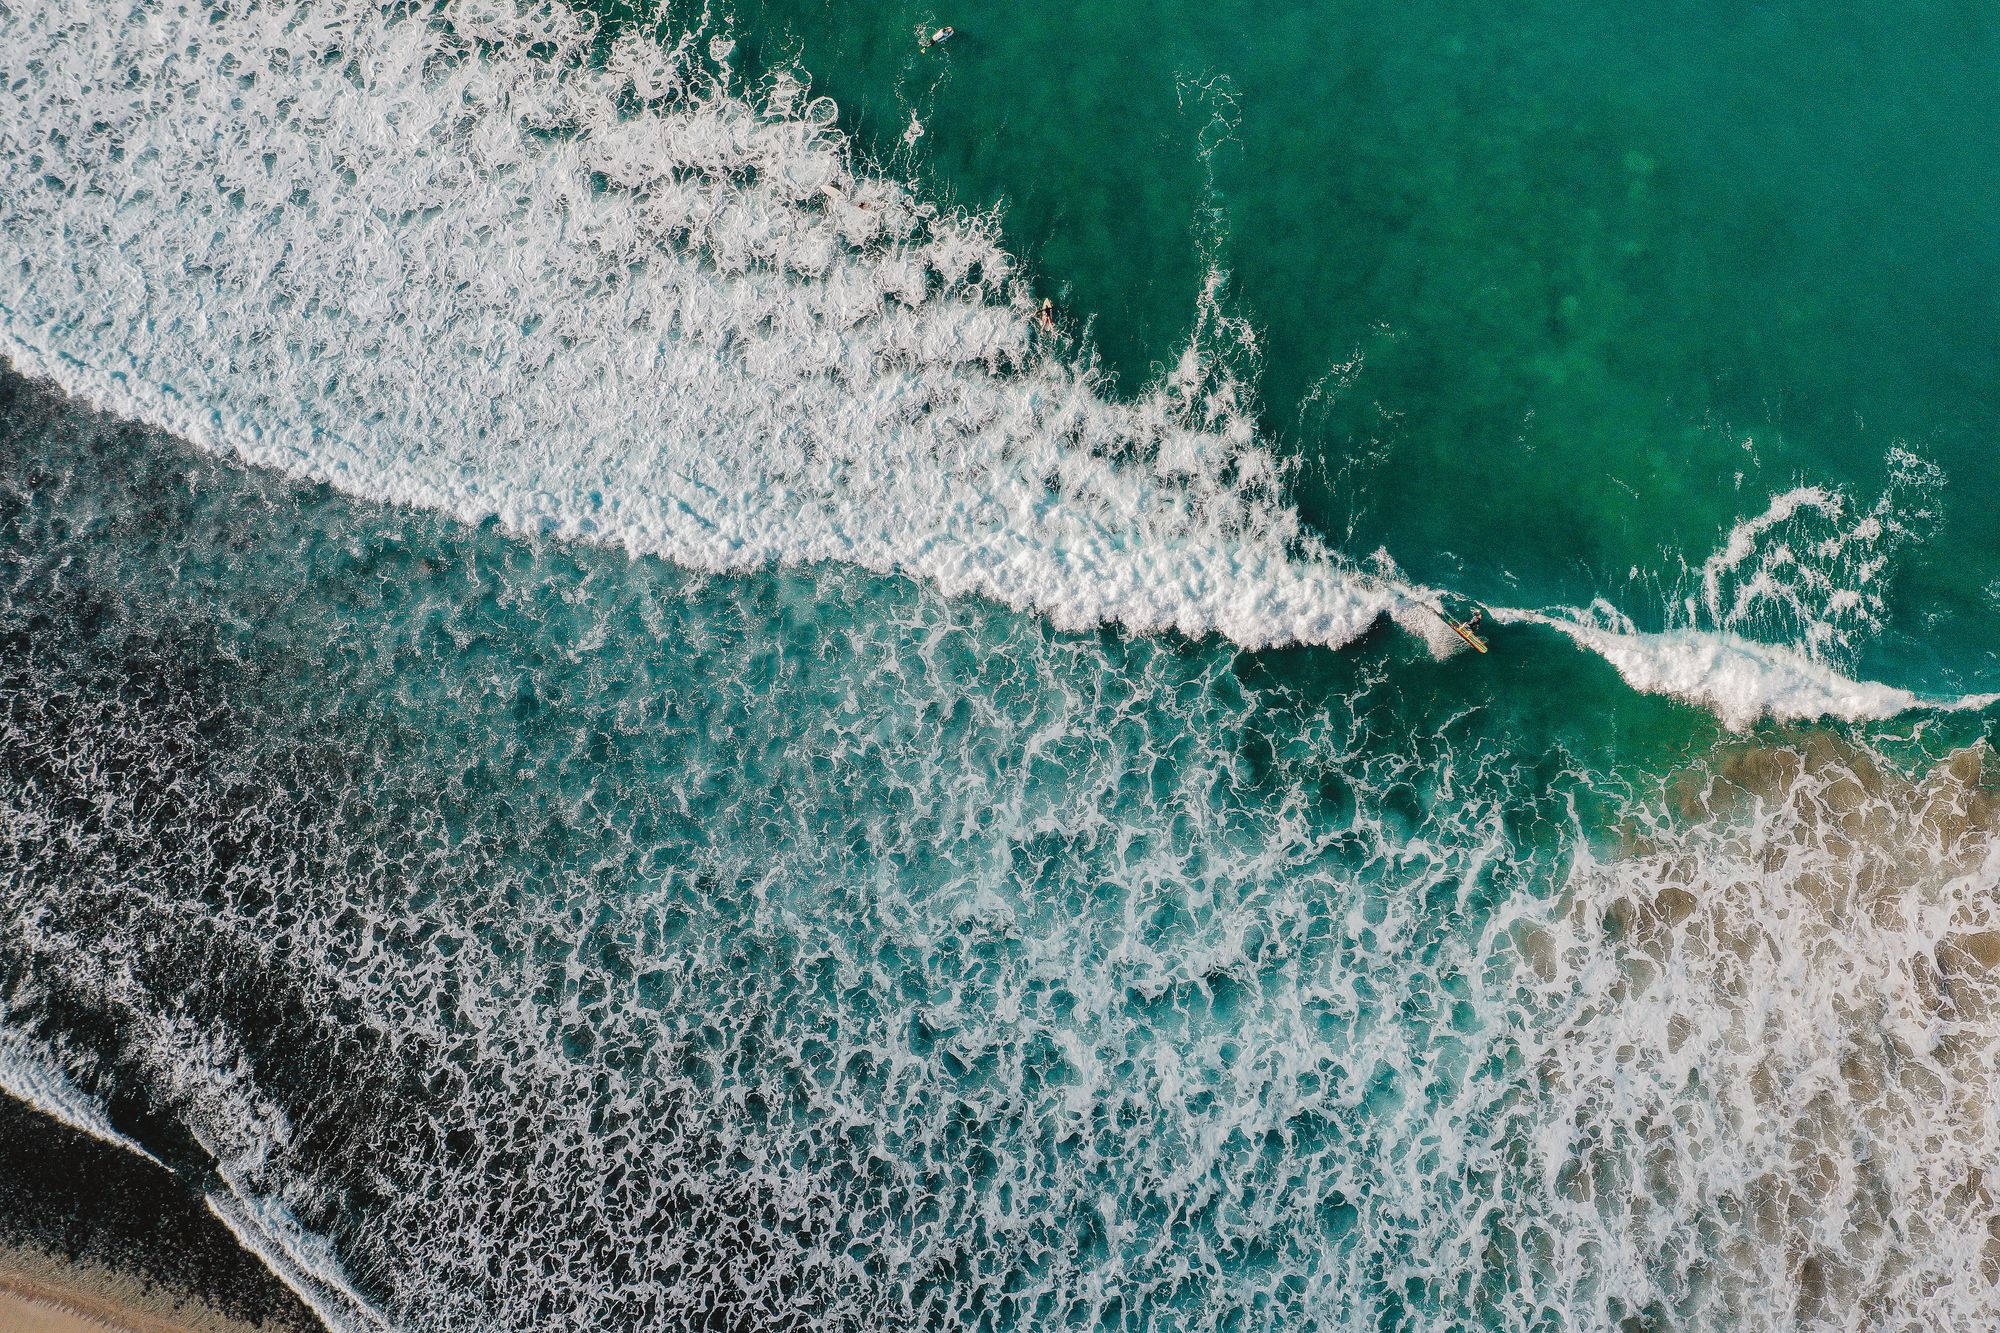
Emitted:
<point x="464" y="263"/>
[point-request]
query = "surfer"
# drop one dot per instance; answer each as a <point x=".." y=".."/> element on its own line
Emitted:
<point x="1461" y="628"/>
<point x="938" y="38"/>
<point x="1046" y="316"/>
<point x="833" y="194"/>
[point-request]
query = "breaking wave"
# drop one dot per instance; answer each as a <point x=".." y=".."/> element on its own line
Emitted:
<point x="468" y="265"/>
<point x="1738" y="679"/>
<point x="593" y="945"/>
<point x="27" y="1075"/>
<point x="1765" y="625"/>
<point x="488" y="261"/>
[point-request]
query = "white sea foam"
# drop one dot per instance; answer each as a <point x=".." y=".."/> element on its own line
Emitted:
<point x="1811" y="569"/>
<point x="895" y="960"/>
<point x="462" y="263"/>
<point x="303" y="1262"/>
<point x="29" y="1075"/>
<point x="979" y="1026"/>
<point x="200" y="1077"/>
<point x="1739" y="680"/>
<point x="430" y="267"/>
<point x="1786" y="595"/>
<point x="1787" y="981"/>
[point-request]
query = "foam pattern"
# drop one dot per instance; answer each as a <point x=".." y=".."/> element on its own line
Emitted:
<point x="1810" y="570"/>
<point x="1740" y="680"/>
<point x="478" y="258"/>
<point x="27" y="1076"/>
<point x="1790" y="1047"/>
<point x="460" y="261"/>
<point x="1769" y="624"/>
<point x="536" y="939"/>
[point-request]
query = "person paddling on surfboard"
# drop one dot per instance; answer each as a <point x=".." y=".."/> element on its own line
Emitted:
<point x="1461" y="628"/>
<point x="938" y="38"/>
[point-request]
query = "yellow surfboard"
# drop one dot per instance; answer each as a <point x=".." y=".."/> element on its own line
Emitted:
<point x="1463" y="631"/>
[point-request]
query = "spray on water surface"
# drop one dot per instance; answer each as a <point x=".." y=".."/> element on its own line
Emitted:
<point x="747" y="927"/>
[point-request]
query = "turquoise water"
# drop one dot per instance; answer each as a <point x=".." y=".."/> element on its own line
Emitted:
<point x="1523" y="281"/>
<point x="597" y="731"/>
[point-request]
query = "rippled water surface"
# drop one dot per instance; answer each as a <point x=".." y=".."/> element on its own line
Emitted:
<point x="600" y="728"/>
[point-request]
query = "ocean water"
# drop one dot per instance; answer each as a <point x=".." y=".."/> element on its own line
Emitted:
<point x="599" y="729"/>
<point x="1643" y="270"/>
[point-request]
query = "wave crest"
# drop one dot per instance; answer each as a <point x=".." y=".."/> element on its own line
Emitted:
<point x="483" y="261"/>
<point x="465" y="264"/>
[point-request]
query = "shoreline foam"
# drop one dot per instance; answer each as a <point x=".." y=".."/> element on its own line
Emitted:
<point x="95" y="1228"/>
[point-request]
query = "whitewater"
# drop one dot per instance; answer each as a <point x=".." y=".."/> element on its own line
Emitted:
<point x="490" y="263"/>
<point x="526" y="937"/>
<point x="502" y="933"/>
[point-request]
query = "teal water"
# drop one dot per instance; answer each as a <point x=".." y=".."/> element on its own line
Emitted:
<point x="760" y="925"/>
<point x="1524" y="282"/>
<point x="559" y="933"/>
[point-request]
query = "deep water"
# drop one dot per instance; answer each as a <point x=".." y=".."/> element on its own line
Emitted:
<point x="1544" y="295"/>
<point x="597" y="731"/>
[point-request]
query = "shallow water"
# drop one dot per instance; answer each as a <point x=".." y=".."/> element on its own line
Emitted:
<point x="614" y="739"/>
